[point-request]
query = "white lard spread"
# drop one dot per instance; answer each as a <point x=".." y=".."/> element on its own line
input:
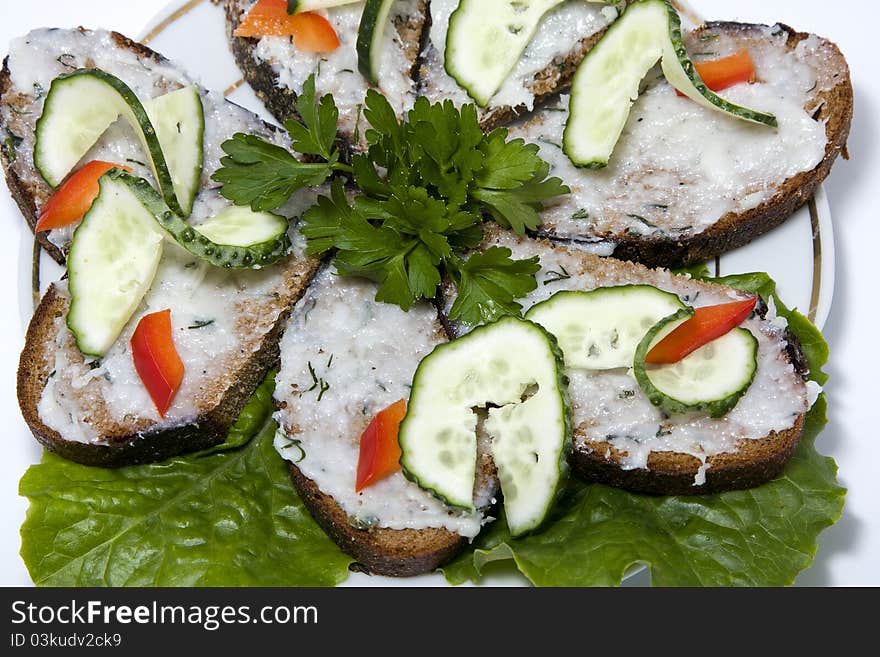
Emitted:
<point x="362" y="356"/>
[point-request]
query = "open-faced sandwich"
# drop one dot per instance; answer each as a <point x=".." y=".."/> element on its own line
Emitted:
<point x="108" y="376"/>
<point x="461" y="363"/>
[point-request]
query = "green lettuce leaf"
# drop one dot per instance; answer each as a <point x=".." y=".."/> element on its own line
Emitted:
<point x="764" y="536"/>
<point x="225" y="517"/>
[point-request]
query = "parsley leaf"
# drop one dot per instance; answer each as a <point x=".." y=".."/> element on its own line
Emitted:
<point x="520" y="209"/>
<point x="393" y="255"/>
<point x="317" y="132"/>
<point x="507" y="164"/>
<point x="445" y="147"/>
<point x="263" y="175"/>
<point x="514" y="200"/>
<point x="488" y="284"/>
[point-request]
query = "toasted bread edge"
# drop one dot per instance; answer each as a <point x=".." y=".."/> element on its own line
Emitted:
<point x="381" y="551"/>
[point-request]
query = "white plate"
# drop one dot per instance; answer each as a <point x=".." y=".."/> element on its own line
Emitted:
<point x="799" y="255"/>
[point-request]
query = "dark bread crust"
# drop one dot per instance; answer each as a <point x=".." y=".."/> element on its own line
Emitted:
<point x="133" y="444"/>
<point x="395" y="552"/>
<point x="280" y="101"/>
<point x="29" y="195"/>
<point x="733" y="230"/>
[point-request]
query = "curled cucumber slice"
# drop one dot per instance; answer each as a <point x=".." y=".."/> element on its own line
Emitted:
<point x="606" y="83"/>
<point x="179" y="119"/>
<point x="117" y="248"/>
<point x="712" y="378"/>
<point x="241" y="226"/>
<point x="262" y="238"/>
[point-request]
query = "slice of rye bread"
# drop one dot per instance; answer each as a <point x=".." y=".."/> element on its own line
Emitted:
<point x="219" y="398"/>
<point x="16" y="118"/>
<point x="206" y="405"/>
<point x="829" y="102"/>
<point x="833" y="106"/>
<point x="281" y="100"/>
<point x="743" y="462"/>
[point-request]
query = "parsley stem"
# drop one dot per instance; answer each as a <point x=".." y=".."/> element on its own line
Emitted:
<point x="345" y="168"/>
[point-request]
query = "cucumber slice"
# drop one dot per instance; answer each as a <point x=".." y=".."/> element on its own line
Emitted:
<point x="112" y="262"/>
<point x="486" y="40"/>
<point x="600" y="329"/>
<point x="264" y="240"/>
<point x="179" y="120"/>
<point x="79" y="107"/>
<point x="482" y="47"/>
<point x="712" y="378"/>
<point x="370" y="36"/>
<point x="606" y="83"/>
<point x="681" y="73"/>
<point x="297" y="6"/>
<point x="499" y="364"/>
<point x="241" y="226"/>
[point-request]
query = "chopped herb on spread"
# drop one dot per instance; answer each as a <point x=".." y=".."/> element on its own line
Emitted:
<point x="318" y="383"/>
<point x="556" y="276"/>
<point x="10" y="144"/>
<point x="200" y="323"/>
<point x="640" y="218"/>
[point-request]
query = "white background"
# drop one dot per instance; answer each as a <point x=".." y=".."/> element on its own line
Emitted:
<point x="849" y="553"/>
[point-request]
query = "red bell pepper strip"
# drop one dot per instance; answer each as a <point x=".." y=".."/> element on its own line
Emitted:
<point x="156" y="359"/>
<point x="311" y="32"/>
<point x="74" y="198"/>
<point x="707" y="324"/>
<point x="719" y="74"/>
<point x="380" y="451"/>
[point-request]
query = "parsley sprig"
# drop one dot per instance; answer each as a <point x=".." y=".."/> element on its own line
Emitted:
<point x="263" y="175"/>
<point x="421" y="192"/>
